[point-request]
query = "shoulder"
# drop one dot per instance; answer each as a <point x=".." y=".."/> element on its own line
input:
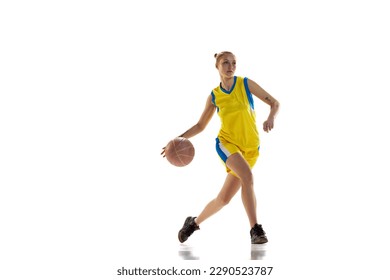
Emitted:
<point x="242" y="80"/>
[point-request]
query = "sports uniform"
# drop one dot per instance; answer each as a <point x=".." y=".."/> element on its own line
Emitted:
<point x="238" y="131"/>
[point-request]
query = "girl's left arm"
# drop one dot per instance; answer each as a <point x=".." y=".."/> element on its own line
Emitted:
<point x="260" y="93"/>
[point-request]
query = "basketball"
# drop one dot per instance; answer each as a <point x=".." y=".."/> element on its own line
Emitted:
<point x="180" y="151"/>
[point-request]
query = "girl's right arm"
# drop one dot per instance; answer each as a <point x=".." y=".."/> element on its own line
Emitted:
<point x="205" y="118"/>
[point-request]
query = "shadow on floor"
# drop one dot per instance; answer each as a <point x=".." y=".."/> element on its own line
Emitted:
<point x="257" y="252"/>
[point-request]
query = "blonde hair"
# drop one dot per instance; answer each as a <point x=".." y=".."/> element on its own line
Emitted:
<point x="218" y="56"/>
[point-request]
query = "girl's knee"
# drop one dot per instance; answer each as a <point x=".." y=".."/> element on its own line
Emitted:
<point x="247" y="180"/>
<point x="223" y="200"/>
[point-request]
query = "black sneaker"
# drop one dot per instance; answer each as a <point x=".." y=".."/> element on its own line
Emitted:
<point x="188" y="228"/>
<point x="258" y="235"/>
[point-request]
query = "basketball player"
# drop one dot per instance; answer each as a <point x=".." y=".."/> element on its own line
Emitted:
<point x="237" y="143"/>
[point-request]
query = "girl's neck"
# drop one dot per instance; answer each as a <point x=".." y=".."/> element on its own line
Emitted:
<point x="227" y="83"/>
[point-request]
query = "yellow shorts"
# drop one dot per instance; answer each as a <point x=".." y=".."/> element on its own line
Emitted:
<point x="225" y="149"/>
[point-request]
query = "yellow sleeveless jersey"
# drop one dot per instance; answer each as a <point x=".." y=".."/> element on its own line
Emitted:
<point x="236" y="111"/>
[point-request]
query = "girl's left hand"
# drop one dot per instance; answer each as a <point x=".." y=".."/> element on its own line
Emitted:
<point x="268" y="125"/>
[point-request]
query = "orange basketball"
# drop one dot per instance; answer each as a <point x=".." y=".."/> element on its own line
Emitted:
<point x="180" y="151"/>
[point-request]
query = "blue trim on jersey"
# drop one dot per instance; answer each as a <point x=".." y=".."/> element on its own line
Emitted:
<point x="213" y="97"/>
<point x="249" y="94"/>
<point x="230" y="91"/>
<point x="220" y="152"/>
<point x="213" y="100"/>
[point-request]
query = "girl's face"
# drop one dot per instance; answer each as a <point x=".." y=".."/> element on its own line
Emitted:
<point x="227" y="65"/>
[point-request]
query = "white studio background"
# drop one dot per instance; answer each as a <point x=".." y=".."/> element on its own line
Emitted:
<point x="92" y="90"/>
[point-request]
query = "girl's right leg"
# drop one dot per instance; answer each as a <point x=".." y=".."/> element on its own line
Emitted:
<point x="230" y="188"/>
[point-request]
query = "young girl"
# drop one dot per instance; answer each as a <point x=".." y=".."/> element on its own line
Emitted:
<point x="237" y="143"/>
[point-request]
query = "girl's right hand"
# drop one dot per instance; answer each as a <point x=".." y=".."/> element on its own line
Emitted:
<point x="163" y="151"/>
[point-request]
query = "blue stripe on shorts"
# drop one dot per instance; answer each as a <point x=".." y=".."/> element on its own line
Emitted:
<point x="221" y="150"/>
